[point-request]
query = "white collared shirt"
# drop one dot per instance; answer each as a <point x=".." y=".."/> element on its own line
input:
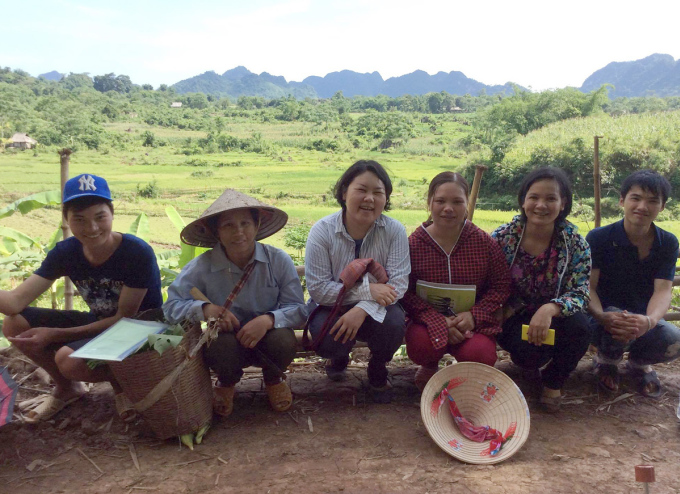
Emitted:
<point x="330" y="249"/>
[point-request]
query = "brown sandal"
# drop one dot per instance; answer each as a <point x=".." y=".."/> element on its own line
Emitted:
<point x="47" y="408"/>
<point x="223" y="400"/>
<point x="551" y="404"/>
<point x="280" y="396"/>
<point x="124" y="407"/>
<point x="423" y="376"/>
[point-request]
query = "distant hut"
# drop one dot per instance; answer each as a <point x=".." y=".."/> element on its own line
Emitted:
<point x="21" y="141"/>
<point x="176" y="104"/>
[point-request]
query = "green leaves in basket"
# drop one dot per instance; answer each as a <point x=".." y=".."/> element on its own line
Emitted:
<point x="187" y="440"/>
<point x="163" y="342"/>
<point x="93" y="364"/>
<point x="175" y="329"/>
<point x="175" y="332"/>
<point x="202" y="432"/>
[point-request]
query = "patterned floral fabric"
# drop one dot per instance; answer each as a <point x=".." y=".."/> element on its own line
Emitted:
<point x="534" y="278"/>
<point x="475" y="260"/>
<point x="569" y="274"/>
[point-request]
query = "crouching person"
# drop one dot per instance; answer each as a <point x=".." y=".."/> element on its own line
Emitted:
<point x="631" y="284"/>
<point x="117" y="276"/>
<point x="368" y="310"/>
<point x="264" y="289"/>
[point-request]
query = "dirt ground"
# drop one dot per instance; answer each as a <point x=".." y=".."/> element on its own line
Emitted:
<point x="333" y="440"/>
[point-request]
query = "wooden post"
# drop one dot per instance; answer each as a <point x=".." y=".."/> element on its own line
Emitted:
<point x="596" y="182"/>
<point x="65" y="157"/>
<point x="472" y="202"/>
<point x="645" y="475"/>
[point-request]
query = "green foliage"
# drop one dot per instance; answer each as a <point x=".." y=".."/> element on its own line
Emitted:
<point x="392" y="129"/>
<point x="499" y="125"/>
<point x="21" y="255"/>
<point x="111" y="82"/>
<point x="196" y="101"/>
<point x="10" y="237"/>
<point x="295" y="237"/>
<point x="188" y="252"/>
<point x="149" y="191"/>
<point x="323" y="145"/>
<point x="29" y="203"/>
<point x="202" y="174"/>
<point x="140" y="227"/>
<point x="76" y="81"/>
<point x="148" y="139"/>
<point x="630" y="143"/>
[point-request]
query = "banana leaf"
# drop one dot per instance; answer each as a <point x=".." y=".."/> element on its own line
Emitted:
<point x="29" y="203"/>
<point x="23" y="240"/>
<point x="140" y="227"/>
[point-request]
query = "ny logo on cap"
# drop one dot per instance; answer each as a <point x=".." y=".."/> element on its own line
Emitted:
<point x="87" y="183"/>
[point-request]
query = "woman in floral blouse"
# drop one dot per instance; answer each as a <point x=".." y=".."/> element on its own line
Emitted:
<point x="550" y="270"/>
<point x="449" y="249"/>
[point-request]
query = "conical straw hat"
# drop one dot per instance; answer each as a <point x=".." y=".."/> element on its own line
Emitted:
<point x="271" y="219"/>
<point x="486" y="396"/>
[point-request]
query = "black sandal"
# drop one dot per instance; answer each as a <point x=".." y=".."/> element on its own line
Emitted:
<point x="603" y="371"/>
<point x="647" y="378"/>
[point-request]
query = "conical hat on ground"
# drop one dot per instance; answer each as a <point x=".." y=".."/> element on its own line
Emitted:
<point x="486" y="397"/>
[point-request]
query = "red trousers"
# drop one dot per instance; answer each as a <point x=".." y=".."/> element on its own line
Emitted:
<point x="480" y="348"/>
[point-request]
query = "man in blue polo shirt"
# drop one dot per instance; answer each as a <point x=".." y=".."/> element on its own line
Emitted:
<point x="631" y="284"/>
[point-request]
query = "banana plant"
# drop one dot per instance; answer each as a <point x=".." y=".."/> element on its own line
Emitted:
<point x="22" y="254"/>
<point x="140" y="227"/>
<point x="34" y="201"/>
<point x="186" y="253"/>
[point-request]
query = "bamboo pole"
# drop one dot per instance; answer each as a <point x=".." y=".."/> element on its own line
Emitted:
<point x="65" y="158"/>
<point x="597" y="182"/>
<point x="472" y="202"/>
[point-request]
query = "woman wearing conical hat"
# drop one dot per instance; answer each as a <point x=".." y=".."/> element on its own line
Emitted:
<point x="256" y="329"/>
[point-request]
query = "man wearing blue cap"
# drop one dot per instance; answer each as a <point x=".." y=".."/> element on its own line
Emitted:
<point x="116" y="274"/>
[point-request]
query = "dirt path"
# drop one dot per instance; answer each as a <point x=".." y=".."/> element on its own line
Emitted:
<point x="351" y="446"/>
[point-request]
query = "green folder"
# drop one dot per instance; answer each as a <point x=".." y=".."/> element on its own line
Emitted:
<point x="447" y="299"/>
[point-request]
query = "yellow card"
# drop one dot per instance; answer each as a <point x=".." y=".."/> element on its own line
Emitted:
<point x="549" y="340"/>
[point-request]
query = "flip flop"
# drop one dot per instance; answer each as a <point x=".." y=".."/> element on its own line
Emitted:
<point x="124" y="408"/>
<point x="50" y="406"/>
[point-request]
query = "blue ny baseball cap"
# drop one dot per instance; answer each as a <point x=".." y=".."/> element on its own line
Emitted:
<point x="86" y="185"/>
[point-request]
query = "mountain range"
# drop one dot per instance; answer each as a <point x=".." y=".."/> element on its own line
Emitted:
<point x="655" y="75"/>
<point x="240" y="81"/>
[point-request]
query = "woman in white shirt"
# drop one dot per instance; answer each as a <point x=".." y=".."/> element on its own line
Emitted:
<point x="369" y="311"/>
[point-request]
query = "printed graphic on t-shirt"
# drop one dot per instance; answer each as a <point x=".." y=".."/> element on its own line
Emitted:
<point x="100" y="295"/>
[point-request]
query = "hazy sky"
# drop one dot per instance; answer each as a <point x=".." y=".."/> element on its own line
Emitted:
<point x="534" y="43"/>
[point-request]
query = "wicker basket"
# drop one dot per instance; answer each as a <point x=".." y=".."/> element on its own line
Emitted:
<point x="187" y="405"/>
